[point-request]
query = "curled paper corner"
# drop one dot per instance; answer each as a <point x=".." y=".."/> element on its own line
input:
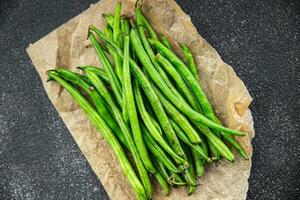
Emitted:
<point x="67" y="46"/>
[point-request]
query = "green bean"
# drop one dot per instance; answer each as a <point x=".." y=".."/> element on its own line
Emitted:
<point x="158" y="152"/>
<point x="199" y="167"/>
<point x="125" y="27"/>
<point x="213" y="150"/>
<point x="154" y="133"/>
<point x="148" y="120"/>
<point x="179" y="81"/>
<point x="98" y="84"/>
<point x="108" y="32"/>
<point x="147" y="25"/>
<point x="118" y="63"/>
<point x="166" y="42"/>
<point x="100" y="72"/>
<point x="179" y="118"/>
<point x="109" y="18"/>
<point x="116" y="25"/>
<point x="155" y="123"/>
<point x="189" y="174"/>
<point x="162" y="182"/>
<point x="116" y="87"/>
<point x="190" y="60"/>
<point x="231" y="140"/>
<point x="200" y="96"/>
<point x="191" y="170"/>
<point x="100" y="104"/>
<point x="132" y="114"/>
<point x="107" y="134"/>
<point x="178" y="181"/>
<point x="185" y="139"/>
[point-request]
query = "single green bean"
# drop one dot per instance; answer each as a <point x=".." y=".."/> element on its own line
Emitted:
<point x="190" y="60"/>
<point x="213" y="150"/>
<point x="189" y="174"/>
<point x="109" y="18"/>
<point x="107" y="134"/>
<point x="166" y="42"/>
<point x="125" y="26"/>
<point x="116" y="25"/>
<point x="148" y="120"/>
<point x="155" y="123"/>
<point x="199" y="167"/>
<point x="199" y="94"/>
<point x="98" y="84"/>
<point x="108" y="32"/>
<point x="132" y="113"/>
<point x="146" y="24"/>
<point x="231" y="140"/>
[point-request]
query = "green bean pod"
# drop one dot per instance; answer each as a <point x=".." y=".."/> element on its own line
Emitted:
<point x="166" y="42"/>
<point x="190" y="60"/>
<point x="109" y="18"/>
<point x="116" y="25"/>
<point x="199" y="165"/>
<point x="146" y="24"/>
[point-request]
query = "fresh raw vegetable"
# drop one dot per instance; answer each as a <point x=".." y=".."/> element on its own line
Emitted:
<point x="152" y="104"/>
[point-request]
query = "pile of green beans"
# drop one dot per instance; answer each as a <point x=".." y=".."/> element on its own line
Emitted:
<point x="148" y="104"/>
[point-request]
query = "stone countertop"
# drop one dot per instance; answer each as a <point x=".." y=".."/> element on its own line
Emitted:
<point x="260" y="39"/>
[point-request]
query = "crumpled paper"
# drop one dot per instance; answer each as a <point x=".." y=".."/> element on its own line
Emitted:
<point x="68" y="46"/>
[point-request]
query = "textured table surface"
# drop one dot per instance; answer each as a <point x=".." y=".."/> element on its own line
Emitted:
<point x="260" y="39"/>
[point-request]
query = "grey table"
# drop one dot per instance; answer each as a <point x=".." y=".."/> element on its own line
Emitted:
<point x="260" y="39"/>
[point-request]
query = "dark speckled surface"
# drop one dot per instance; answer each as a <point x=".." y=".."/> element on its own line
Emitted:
<point x="260" y="39"/>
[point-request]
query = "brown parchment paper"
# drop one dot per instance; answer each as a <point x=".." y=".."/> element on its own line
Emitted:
<point x="68" y="46"/>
